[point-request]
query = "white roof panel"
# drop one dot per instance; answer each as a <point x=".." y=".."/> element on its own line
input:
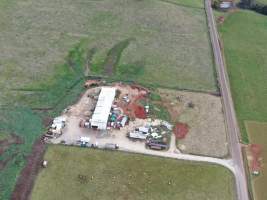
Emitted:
<point x="103" y="106"/>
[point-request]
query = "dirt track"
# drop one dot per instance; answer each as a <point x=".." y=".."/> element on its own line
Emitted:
<point x="25" y="182"/>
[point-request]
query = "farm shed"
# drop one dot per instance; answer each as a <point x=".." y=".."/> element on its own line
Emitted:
<point x="101" y="114"/>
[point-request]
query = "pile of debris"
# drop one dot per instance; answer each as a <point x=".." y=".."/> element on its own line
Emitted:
<point x="155" y="136"/>
<point x="130" y="101"/>
<point x="55" y="130"/>
<point x="92" y="83"/>
<point x="116" y="118"/>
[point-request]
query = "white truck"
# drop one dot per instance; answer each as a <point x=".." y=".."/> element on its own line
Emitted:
<point x="136" y="135"/>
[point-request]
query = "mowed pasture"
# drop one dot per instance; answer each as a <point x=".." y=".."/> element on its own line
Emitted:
<point x="77" y="173"/>
<point x="245" y="48"/>
<point x="165" y="43"/>
<point x="258" y="135"/>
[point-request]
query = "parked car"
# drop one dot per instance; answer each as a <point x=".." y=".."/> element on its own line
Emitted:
<point x="136" y="135"/>
<point x="111" y="146"/>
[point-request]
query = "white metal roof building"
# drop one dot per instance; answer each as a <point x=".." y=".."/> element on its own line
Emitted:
<point x="100" y="116"/>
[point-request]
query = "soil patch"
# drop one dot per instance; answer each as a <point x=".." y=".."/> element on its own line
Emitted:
<point x="47" y="121"/>
<point x="202" y="128"/>
<point x="136" y="94"/>
<point x="181" y="130"/>
<point x="256" y="151"/>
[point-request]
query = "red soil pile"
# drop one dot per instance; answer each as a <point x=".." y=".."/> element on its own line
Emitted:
<point x="133" y="109"/>
<point x="180" y="130"/>
<point x="256" y="151"/>
<point x="139" y="112"/>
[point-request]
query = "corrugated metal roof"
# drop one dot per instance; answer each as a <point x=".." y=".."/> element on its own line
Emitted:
<point x="103" y="106"/>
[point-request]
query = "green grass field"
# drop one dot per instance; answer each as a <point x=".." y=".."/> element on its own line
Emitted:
<point x="76" y="173"/>
<point x="257" y="133"/>
<point x="245" y="48"/>
<point x="168" y="40"/>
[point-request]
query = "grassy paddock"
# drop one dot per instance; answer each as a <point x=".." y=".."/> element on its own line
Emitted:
<point x="167" y="43"/>
<point x="245" y="48"/>
<point x="257" y="133"/>
<point x="75" y="173"/>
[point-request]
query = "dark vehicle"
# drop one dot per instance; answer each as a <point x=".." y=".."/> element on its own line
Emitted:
<point x="157" y="145"/>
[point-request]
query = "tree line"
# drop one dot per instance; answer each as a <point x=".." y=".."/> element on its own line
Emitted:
<point x="253" y="5"/>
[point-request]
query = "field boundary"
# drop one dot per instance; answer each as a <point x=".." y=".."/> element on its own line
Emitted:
<point x="182" y="5"/>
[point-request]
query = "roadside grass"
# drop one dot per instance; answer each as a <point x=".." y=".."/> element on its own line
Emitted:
<point x="245" y="48"/>
<point x="257" y="135"/>
<point x="76" y="173"/>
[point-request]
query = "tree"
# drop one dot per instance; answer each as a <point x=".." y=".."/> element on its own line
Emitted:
<point x="248" y="3"/>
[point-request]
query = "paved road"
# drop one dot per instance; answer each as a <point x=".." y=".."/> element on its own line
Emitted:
<point x="231" y="122"/>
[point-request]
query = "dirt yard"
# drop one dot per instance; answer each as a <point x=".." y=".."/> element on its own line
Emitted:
<point x="204" y="116"/>
<point x="83" y="110"/>
<point x="200" y="113"/>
